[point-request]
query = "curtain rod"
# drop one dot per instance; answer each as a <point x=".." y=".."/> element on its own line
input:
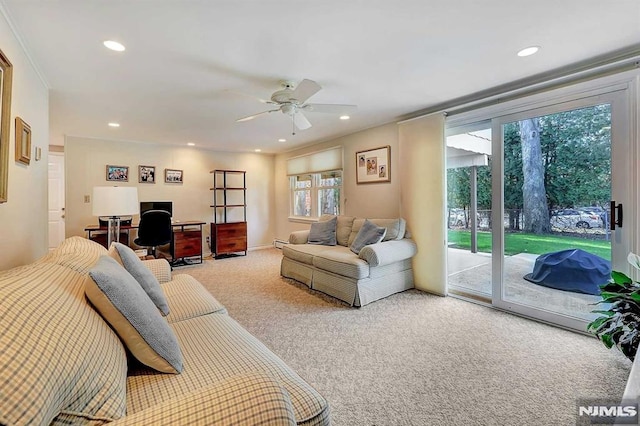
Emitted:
<point x="599" y="66"/>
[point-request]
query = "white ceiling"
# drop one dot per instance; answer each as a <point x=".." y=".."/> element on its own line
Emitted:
<point x="177" y="82"/>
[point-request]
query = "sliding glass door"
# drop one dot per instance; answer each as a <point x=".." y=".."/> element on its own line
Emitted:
<point x="554" y="171"/>
<point x="529" y="191"/>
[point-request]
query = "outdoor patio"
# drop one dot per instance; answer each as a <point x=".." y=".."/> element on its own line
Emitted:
<point x="471" y="273"/>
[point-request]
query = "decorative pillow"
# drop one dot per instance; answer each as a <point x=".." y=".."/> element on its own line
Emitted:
<point x="124" y="304"/>
<point x="132" y="263"/>
<point x="369" y="233"/>
<point x="323" y="232"/>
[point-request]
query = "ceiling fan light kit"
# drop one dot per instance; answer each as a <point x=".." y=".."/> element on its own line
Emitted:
<point x="291" y="100"/>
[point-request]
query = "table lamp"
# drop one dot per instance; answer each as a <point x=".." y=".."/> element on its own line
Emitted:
<point x="115" y="201"/>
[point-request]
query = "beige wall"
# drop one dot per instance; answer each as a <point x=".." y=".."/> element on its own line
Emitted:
<point x="374" y="200"/>
<point x="86" y="159"/>
<point x="23" y="218"/>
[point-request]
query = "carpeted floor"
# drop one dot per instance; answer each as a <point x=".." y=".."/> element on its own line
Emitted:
<point x="414" y="358"/>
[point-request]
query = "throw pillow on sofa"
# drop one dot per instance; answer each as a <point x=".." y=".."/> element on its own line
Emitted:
<point x="124" y="304"/>
<point x="132" y="263"/>
<point x="323" y="232"/>
<point x="369" y="233"/>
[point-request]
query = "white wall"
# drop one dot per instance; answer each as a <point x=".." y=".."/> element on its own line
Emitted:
<point x="86" y="160"/>
<point x="373" y="200"/>
<point x="23" y="218"/>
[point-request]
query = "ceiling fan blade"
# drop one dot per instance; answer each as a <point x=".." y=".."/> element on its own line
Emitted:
<point x="301" y="121"/>
<point x="305" y="90"/>
<point x="251" y="117"/>
<point x="330" y="108"/>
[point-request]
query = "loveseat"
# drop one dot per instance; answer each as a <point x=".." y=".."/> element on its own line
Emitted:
<point x="376" y="271"/>
<point x="62" y="363"/>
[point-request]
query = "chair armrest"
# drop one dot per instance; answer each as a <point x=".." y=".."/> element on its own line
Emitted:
<point x="299" y="237"/>
<point x="388" y="252"/>
<point x="160" y="268"/>
<point x="244" y="399"/>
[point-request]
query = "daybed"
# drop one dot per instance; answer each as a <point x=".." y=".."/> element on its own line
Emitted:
<point x="62" y="363"/>
<point x="374" y="272"/>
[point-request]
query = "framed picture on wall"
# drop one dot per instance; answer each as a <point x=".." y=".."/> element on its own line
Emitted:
<point x="172" y="176"/>
<point x="117" y="173"/>
<point x="6" y="76"/>
<point x="146" y="174"/>
<point x="23" y="141"/>
<point x="374" y="165"/>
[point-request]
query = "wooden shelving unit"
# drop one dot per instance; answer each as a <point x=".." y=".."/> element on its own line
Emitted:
<point x="229" y="225"/>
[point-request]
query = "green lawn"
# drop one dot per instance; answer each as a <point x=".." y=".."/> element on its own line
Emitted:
<point x="529" y="243"/>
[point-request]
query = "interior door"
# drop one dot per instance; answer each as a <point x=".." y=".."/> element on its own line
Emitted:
<point x="587" y="164"/>
<point x="56" y="199"/>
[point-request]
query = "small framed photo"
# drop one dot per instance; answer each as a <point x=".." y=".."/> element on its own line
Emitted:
<point x="374" y="165"/>
<point x="146" y="174"/>
<point x="117" y="173"/>
<point x="23" y="141"/>
<point x="172" y="176"/>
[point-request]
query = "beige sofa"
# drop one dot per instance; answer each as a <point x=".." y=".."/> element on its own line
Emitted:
<point x="378" y="271"/>
<point x="61" y="363"/>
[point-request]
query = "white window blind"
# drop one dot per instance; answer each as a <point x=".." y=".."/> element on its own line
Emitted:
<point x="321" y="161"/>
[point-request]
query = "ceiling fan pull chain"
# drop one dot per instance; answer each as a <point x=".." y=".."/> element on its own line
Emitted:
<point x="293" y="126"/>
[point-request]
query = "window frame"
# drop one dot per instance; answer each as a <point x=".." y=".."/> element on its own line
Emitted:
<point x="314" y="191"/>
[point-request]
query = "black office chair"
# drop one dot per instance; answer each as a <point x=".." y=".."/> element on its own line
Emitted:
<point x="154" y="230"/>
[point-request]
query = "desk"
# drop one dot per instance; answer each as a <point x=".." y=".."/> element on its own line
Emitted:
<point x="186" y="241"/>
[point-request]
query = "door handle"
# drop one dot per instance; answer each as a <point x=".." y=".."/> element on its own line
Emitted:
<point x="616" y="216"/>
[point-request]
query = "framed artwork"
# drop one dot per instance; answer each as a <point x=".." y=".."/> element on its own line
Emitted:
<point x="374" y="165"/>
<point x="146" y="174"/>
<point x="6" y="76"/>
<point x="23" y="141"/>
<point x="172" y="176"/>
<point x="118" y="173"/>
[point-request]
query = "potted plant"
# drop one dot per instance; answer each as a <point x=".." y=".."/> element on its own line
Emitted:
<point x="619" y="324"/>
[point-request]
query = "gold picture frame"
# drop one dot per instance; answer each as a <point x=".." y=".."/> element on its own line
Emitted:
<point x="6" y="77"/>
<point x="23" y="142"/>
<point x="373" y="165"/>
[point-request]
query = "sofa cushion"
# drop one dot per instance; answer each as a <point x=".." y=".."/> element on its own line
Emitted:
<point x="342" y="261"/>
<point x="369" y="233"/>
<point x="132" y="263"/>
<point x="215" y="349"/>
<point x="61" y="363"/>
<point x="343" y="227"/>
<point x="125" y="305"/>
<point x="187" y="298"/>
<point x="323" y="232"/>
<point x="396" y="228"/>
<point x="77" y="253"/>
<point x="303" y="253"/>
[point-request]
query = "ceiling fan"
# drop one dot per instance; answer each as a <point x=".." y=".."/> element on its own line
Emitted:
<point x="292" y="100"/>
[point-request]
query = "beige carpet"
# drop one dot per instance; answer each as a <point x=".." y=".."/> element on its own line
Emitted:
<point x="414" y="358"/>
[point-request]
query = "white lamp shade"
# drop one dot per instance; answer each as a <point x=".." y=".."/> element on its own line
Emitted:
<point x="115" y="201"/>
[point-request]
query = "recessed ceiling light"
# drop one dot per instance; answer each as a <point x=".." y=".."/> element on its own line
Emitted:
<point x="344" y="117"/>
<point x="258" y="150"/>
<point x="113" y="45"/>
<point x="282" y="140"/>
<point x="114" y="124"/>
<point x="528" y="51"/>
<point x="191" y="144"/>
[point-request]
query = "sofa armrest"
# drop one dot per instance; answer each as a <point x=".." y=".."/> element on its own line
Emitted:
<point x="160" y="268"/>
<point x="250" y="398"/>
<point x="388" y="252"/>
<point x="299" y="237"/>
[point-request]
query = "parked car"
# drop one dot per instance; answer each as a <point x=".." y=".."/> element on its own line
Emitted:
<point x="604" y="215"/>
<point x="574" y="218"/>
